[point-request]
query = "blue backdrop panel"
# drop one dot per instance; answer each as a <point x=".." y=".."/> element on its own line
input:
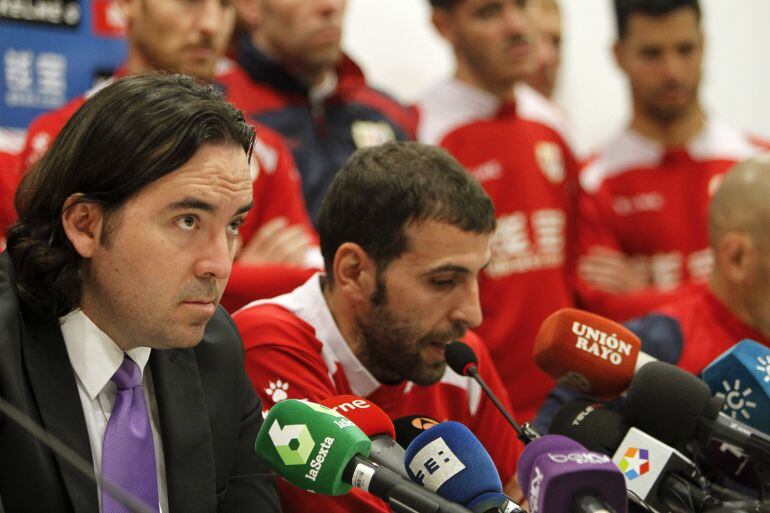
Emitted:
<point x="52" y="51"/>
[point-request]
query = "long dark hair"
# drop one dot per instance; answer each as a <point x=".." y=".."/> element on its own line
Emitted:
<point x="124" y="137"/>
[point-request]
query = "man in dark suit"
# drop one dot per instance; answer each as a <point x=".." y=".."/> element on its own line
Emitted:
<point x="110" y="331"/>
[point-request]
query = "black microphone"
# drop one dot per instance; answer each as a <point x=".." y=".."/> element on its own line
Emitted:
<point x="66" y="453"/>
<point x="656" y="475"/>
<point x="410" y="427"/>
<point x="461" y="359"/>
<point x="676" y="407"/>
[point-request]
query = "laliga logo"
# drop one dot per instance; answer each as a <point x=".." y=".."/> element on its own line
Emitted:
<point x="581" y="458"/>
<point x="598" y="343"/>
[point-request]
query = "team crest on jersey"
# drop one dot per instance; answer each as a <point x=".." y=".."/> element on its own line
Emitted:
<point x="277" y="390"/>
<point x="371" y="133"/>
<point x="551" y="161"/>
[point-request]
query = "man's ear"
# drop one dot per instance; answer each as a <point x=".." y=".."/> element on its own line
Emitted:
<point x="442" y="22"/>
<point x="737" y="257"/>
<point x="82" y="223"/>
<point x="355" y="273"/>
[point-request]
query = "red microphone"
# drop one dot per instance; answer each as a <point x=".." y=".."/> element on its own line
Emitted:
<point x="376" y="424"/>
<point x="588" y="352"/>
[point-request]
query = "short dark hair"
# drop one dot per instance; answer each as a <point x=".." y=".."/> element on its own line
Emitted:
<point x="127" y="135"/>
<point x="444" y="4"/>
<point x="624" y="9"/>
<point x="381" y="189"/>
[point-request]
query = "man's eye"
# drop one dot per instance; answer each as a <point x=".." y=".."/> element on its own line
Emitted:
<point x="235" y="226"/>
<point x="443" y="284"/>
<point x="187" y="222"/>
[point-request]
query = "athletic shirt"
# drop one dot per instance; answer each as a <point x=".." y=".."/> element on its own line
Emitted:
<point x="518" y="153"/>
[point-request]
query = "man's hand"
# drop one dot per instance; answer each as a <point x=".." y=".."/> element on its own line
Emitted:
<point x="277" y="242"/>
<point x="610" y="270"/>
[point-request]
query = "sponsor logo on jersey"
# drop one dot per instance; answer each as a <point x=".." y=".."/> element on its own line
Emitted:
<point x="371" y="133"/>
<point x="635" y="463"/>
<point x="603" y="345"/>
<point x="489" y="170"/>
<point x="646" y="202"/>
<point x="524" y="243"/>
<point x="62" y="13"/>
<point x="551" y="160"/>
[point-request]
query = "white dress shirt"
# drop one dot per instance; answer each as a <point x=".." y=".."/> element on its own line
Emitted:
<point x="95" y="359"/>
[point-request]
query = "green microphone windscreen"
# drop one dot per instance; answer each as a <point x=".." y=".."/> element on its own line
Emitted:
<point x="309" y="445"/>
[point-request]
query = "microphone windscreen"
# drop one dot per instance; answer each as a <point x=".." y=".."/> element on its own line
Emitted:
<point x="449" y="460"/>
<point x="309" y="445"/>
<point x="410" y="427"/>
<point x="587" y="352"/>
<point x="666" y="402"/>
<point x="459" y="356"/>
<point x="369" y="417"/>
<point x="741" y="376"/>
<point x="554" y="470"/>
<point x="596" y="428"/>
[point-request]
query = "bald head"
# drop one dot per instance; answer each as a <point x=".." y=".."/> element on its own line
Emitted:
<point x="741" y="202"/>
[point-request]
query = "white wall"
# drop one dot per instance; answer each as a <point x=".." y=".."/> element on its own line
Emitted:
<point x="401" y="53"/>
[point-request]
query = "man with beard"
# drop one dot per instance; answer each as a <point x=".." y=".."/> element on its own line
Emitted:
<point x="405" y="232"/>
<point x="513" y="141"/>
<point x="279" y="244"/>
<point x="642" y="231"/>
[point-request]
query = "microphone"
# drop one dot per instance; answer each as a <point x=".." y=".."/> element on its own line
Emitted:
<point x="675" y="406"/>
<point x="655" y="474"/>
<point x="741" y="376"/>
<point x="375" y="424"/>
<point x="461" y="359"/>
<point x="449" y="460"/>
<point x="410" y="427"/>
<point x="317" y="449"/>
<point x="558" y="475"/>
<point x="588" y="352"/>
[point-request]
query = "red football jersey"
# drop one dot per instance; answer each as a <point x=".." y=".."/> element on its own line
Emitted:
<point x="518" y="154"/>
<point x="295" y="350"/>
<point x="10" y="146"/>
<point x="276" y="191"/>
<point x="651" y="203"/>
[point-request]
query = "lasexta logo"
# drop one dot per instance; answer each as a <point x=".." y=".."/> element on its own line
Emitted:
<point x="292" y="442"/>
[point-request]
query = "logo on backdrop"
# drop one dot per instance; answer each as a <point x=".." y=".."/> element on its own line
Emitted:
<point x="62" y="13"/>
<point x="36" y="80"/>
<point x="635" y="463"/>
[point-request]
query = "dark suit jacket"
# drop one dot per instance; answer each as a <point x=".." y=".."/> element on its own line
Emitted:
<point x="209" y="419"/>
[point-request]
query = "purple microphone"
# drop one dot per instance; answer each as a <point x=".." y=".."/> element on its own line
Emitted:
<point x="558" y="475"/>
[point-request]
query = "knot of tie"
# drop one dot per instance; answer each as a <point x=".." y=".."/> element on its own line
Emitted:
<point x="128" y="375"/>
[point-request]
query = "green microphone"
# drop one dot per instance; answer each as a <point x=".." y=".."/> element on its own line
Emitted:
<point x="310" y="445"/>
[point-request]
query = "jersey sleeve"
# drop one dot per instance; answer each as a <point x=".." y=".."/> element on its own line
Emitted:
<point x="283" y="359"/>
<point x="277" y="187"/>
<point x="594" y="229"/>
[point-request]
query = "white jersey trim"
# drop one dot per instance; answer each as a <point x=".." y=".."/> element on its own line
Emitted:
<point x="630" y="149"/>
<point x="452" y="104"/>
<point x="307" y="302"/>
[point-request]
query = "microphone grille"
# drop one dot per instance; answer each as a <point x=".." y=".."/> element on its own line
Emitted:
<point x="459" y="355"/>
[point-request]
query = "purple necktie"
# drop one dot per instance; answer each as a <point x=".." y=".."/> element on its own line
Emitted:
<point x="128" y="454"/>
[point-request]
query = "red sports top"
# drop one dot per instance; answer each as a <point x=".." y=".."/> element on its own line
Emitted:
<point x="295" y="350"/>
<point x="519" y="155"/>
<point x="276" y="191"/>
<point x="651" y="203"/>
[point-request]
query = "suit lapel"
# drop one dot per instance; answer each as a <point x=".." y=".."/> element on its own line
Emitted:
<point x="184" y="427"/>
<point x="54" y="387"/>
